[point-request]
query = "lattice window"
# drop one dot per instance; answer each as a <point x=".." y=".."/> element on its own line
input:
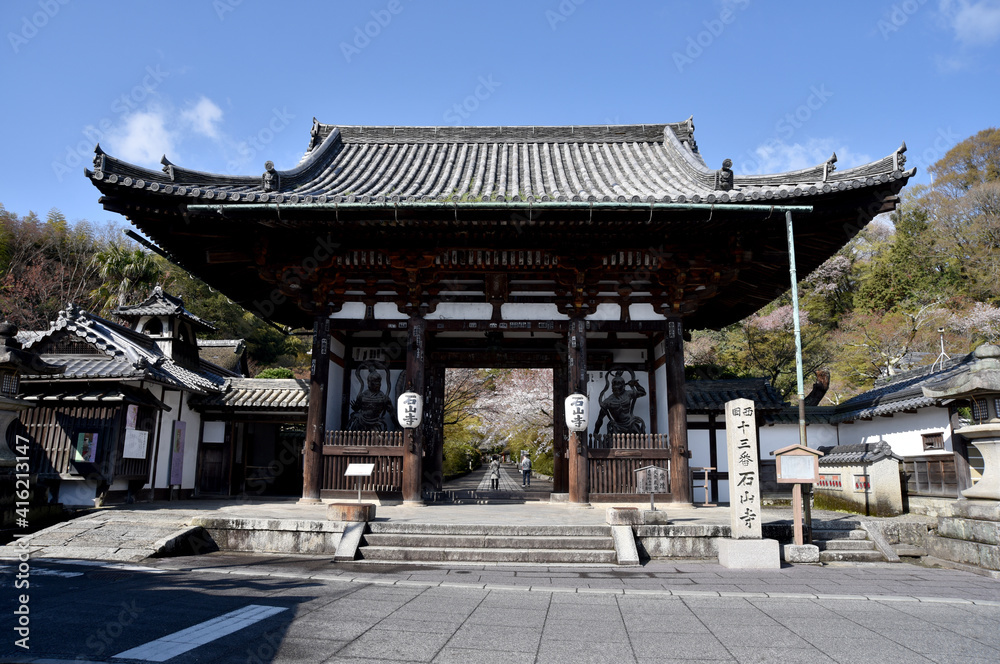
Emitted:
<point x="10" y="384"/>
<point x="933" y="441"/>
<point x="862" y="483"/>
<point x="980" y="410"/>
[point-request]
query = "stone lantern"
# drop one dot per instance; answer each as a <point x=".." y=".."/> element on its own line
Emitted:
<point x="980" y="385"/>
<point x="13" y="362"/>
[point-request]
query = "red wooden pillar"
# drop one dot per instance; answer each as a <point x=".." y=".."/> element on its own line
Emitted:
<point x="312" y="471"/>
<point x="680" y="477"/>
<point x="560" y="467"/>
<point x="577" y="369"/>
<point x="416" y="339"/>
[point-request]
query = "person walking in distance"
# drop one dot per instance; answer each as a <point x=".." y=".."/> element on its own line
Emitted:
<point x="495" y="473"/>
<point x="525" y="470"/>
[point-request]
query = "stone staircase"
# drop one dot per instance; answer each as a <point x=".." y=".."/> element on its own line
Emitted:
<point x="845" y="541"/>
<point x="438" y="543"/>
<point x="480" y="497"/>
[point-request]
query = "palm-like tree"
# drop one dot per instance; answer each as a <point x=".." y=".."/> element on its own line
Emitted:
<point x="123" y="272"/>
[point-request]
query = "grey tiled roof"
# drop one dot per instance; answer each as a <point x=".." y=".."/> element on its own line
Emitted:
<point x="161" y="304"/>
<point x="859" y="453"/>
<point x="388" y="166"/>
<point x="224" y="353"/>
<point x="90" y="393"/>
<point x="898" y="393"/>
<point x="710" y="396"/>
<point x="119" y="353"/>
<point x="259" y="394"/>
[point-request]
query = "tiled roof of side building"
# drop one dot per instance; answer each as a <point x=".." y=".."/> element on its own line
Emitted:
<point x="162" y="304"/>
<point x="389" y="166"/>
<point x="899" y="393"/>
<point x="710" y="396"/>
<point x="117" y="353"/>
<point x="258" y="394"/>
<point x="856" y="453"/>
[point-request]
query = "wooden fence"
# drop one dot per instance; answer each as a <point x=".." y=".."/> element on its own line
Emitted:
<point x="382" y="448"/>
<point x="614" y="458"/>
<point x="931" y="475"/>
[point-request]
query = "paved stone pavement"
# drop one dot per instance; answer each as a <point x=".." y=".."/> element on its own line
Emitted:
<point x="503" y="613"/>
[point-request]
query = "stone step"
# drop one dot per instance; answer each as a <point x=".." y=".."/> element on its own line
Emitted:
<point x="438" y="554"/>
<point x="852" y="534"/>
<point x="400" y="527"/>
<point x="416" y="540"/>
<point x="847" y="545"/>
<point x="909" y="551"/>
<point x="851" y="557"/>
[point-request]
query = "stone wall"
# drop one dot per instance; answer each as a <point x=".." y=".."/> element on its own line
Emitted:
<point x="872" y="489"/>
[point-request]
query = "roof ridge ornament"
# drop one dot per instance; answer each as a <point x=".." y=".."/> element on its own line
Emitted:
<point x="828" y="166"/>
<point x="724" y="176"/>
<point x="168" y="167"/>
<point x="898" y="160"/>
<point x="99" y="156"/>
<point x="314" y="134"/>
<point x="270" y="181"/>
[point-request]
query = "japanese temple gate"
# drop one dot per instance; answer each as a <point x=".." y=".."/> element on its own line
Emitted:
<point x="586" y="249"/>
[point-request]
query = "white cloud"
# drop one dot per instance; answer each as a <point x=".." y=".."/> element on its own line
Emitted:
<point x="204" y="117"/>
<point x="975" y="24"/>
<point x="143" y="137"/>
<point x="777" y="156"/>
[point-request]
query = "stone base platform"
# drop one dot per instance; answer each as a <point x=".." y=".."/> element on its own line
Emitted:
<point x="749" y="553"/>
<point x="971" y="537"/>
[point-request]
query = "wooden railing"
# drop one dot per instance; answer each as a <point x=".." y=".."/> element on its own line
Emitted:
<point x="931" y="475"/>
<point x="384" y="449"/>
<point x="614" y="458"/>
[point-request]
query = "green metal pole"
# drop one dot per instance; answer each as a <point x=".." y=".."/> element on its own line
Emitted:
<point x="798" y="331"/>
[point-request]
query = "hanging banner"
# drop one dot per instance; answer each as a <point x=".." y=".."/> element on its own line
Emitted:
<point x="177" y="452"/>
<point x="131" y="416"/>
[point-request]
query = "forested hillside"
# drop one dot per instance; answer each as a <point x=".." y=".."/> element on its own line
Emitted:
<point x="46" y="264"/>
<point x="881" y="304"/>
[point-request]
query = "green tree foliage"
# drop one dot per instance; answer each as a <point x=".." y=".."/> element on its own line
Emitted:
<point x="125" y="271"/>
<point x="275" y="373"/>
<point x="267" y="346"/>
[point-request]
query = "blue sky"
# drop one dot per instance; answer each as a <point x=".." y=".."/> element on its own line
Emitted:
<point x="225" y="85"/>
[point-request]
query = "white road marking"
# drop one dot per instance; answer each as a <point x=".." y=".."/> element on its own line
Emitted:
<point x="180" y="642"/>
<point x="41" y="571"/>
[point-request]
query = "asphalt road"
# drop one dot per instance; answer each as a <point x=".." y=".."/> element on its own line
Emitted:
<point x="233" y="608"/>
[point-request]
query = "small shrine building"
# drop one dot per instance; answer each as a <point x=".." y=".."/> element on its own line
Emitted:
<point x="590" y="250"/>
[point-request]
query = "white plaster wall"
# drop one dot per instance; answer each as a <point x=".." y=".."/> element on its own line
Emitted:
<point x="606" y="311"/>
<point x="461" y="311"/>
<point x="192" y="439"/>
<point x="172" y="399"/>
<point x="902" y="431"/>
<point x="530" y="311"/>
<point x="351" y="311"/>
<point x="777" y="436"/>
<point x="643" y="311"/>
<point x="334" y="387"/>
<point x="660" y="376"/>
<point x="386" y="311"/>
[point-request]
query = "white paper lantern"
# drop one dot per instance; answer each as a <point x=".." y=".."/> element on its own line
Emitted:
<point x="577" y="411"/>
<point x="409" y="410"/>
